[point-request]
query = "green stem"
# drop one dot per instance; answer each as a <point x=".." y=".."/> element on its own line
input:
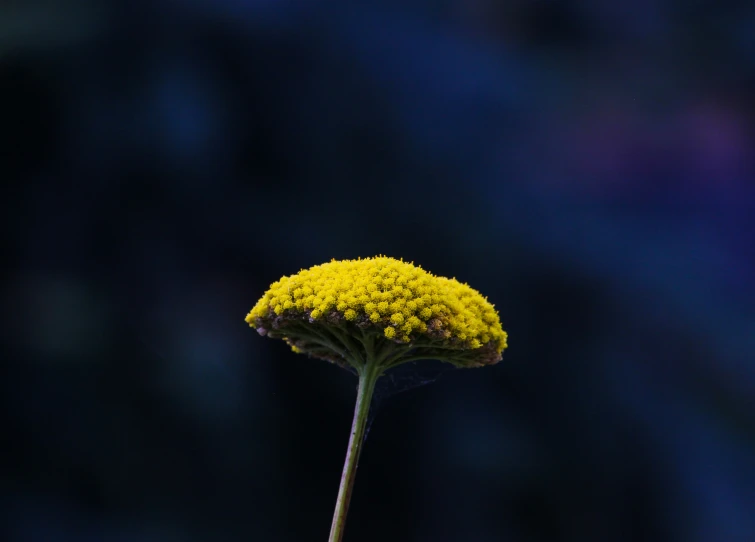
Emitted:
<point x="368" y="376"/>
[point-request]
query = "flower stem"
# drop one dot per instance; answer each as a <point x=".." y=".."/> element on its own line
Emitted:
<point x="368" y="376"/>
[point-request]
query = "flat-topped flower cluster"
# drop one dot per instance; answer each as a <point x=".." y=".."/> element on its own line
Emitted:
<point x="403" y="302"/>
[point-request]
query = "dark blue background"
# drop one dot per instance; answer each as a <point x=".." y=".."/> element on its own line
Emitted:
<point x="587" y="165"/>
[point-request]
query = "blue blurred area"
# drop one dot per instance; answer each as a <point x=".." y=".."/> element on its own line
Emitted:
<point x="588" y="166"/>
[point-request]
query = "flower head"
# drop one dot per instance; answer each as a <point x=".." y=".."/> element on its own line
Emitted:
<point x="353" y="311"/>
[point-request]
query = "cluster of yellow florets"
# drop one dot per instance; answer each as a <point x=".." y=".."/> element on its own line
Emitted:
<point x="402" y="300"/>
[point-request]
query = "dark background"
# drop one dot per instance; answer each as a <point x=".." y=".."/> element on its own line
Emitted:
<point x="587" y="165"/>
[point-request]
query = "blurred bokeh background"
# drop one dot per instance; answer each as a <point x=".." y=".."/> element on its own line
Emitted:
<point x="587" y="165"/>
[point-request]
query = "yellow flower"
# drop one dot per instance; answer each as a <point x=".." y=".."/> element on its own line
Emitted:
<point x="370" y="315"/>
<point x="350" y="310"/>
